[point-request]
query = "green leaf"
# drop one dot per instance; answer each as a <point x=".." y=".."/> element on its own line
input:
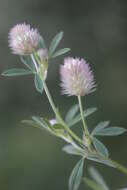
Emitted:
<point x="97" y="158"/>
<point x="38" y="83"/>
<point x="100" y="126"/>
<point x="86" y="113"/>
<point x="29" y="122"/>
<point x="93" y="185"/>
<point x="100" y="147"/>
<point x="76" y="176"/>
<point x="69" y="149"/>
<point x="98" y="178"/>
<point x="54" y="43"/>
<point x="71" y="113"/>
<point x="16" y="72"/>
<point x="42" y="123"/>
<point x="33" y="124"/>
<point x="27" y="61"/>
<point x="89" y="111"/>
<point x="111" y="131"/>
<point x="61" y="52"/>
<point x="42" y="43"/>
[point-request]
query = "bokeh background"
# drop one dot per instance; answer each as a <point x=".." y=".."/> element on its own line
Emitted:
<point x="96" y="30"/>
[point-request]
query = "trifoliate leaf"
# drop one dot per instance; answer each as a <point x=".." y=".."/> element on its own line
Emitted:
<point x="76" y="176"/>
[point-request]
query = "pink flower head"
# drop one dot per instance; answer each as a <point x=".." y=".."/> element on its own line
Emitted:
<point x="76" y="77"/>
<point x="23" y="39"/>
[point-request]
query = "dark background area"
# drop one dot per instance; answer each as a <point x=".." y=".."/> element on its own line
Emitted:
<point x="96" y="30"/>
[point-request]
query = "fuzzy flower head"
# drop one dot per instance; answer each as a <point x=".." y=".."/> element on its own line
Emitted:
<point x="23" y="39"/>
<point x="76" y="77"/>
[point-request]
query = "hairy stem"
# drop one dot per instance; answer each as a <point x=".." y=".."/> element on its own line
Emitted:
<point x="58" y="117"/>
<point x="86" y="132"/>
<point x="82" y="116"/>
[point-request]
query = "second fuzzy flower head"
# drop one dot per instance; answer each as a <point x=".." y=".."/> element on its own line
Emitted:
<point x="76" y="77"/>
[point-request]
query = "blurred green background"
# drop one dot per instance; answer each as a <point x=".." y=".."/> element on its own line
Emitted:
<point x="96" y="30"/>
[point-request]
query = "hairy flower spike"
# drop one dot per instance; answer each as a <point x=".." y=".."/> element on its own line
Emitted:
<point x="76" y="77"/>
<point x="23" y="39"/>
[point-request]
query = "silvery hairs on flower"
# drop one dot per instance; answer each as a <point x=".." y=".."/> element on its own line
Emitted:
<point x="76" y="77"/>
<point x="23" y="39"/>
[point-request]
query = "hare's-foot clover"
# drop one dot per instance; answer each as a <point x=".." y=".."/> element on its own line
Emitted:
<point x="77" y="79"/>
<point x="23" y="40"/>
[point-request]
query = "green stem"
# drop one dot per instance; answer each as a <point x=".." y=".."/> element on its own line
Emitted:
<point x="82" y="116"/>
<point x="119" y="167"/>
<point x="58" y="117"/>
<point x="50" y="99"/>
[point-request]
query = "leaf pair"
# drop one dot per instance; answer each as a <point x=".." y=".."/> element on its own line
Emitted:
<point x="56" y="129"/>
<point x="53" y="45"/>
<point x="26" y="60"/>
<point x="31" y="70"/>
<point x="73" y="117"/>
<point x="102" y="129"/>
<point x="39" y="122"/>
